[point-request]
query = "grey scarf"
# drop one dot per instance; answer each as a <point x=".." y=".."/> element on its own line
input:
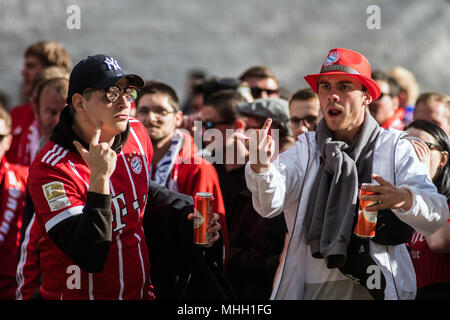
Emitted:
<point x="333" y="201"/>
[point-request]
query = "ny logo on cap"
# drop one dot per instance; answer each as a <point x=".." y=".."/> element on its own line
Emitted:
<point x="112" y="63"/>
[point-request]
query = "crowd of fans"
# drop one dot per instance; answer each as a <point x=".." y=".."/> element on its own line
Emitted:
<point x="243" y="262"/>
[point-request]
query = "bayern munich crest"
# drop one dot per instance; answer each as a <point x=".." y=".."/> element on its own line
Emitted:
<point x="332" y="58"/>
<point x="136" y="164"/>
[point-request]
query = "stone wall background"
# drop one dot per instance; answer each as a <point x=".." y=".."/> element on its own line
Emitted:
<point x="165" y="39"/>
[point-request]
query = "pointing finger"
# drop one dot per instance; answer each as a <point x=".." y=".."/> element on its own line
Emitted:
<point x="96" y="137"/>
<point x="267" y="124"/>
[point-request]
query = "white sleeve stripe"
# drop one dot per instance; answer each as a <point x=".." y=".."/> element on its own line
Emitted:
<point x="72" y="166"/>
<point x="59" y="158"/>
<point x="63" y="216"/>
<point x="54" y="154"/>
<point x="49" y="152"/>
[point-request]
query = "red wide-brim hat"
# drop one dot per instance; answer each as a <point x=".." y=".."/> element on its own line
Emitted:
<point x="342" y="61"/>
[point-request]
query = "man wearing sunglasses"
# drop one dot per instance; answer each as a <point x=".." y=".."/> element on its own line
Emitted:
<point x="262" y="81"/>
<point x="304" y="110"/>
<point x="90" y="186"/>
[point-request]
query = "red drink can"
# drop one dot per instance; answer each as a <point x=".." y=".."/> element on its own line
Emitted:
<point x="202" y="213"/>
<point x="367" y="220"/>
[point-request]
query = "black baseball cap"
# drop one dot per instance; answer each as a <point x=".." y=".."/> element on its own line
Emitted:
<point x="98" y="72"/>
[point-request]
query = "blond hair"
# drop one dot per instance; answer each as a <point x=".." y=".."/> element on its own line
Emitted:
<point x="407" y="82"/>
<point x="4" y="115"/>
<point x="50" y="53"/>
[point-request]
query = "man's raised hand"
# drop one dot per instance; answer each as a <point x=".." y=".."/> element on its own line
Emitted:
<point x="260" y="146"/>
<point x="101" y="160"/>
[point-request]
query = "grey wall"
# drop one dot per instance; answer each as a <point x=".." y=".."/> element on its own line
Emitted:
<point x="164" y="39"/>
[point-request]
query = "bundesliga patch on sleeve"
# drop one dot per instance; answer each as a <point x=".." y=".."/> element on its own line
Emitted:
<point x="56" y="195"/>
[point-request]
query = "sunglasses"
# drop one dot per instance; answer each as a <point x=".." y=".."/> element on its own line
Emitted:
<point x="257" y="92"/>
<point x="383" y="95"/>
<point x="309" y="120"/>
<point x="158" y="112"/>
<point x="428" y="144"/>
<point x="2" y="136"/>
<point x="212" y="124"/>
<point x="433" y="146"/>
<point x="113" y="93"/>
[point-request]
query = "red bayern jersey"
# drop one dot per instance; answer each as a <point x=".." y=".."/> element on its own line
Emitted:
<point x="430" y="267"/>
<point x="22" y="117"/>
<point x="28" y="144"/>
<point x="58" y="185"/>
<point x="13" y="180"/>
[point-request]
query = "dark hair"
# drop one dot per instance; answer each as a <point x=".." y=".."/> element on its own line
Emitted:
<point x="225" y="102"/>
<point x="259" y="72"/>
<point x="303" y="94"/>
<point x="394" y="87"/>
<point x="442" y="179"/>
<point x="153" y="87"/>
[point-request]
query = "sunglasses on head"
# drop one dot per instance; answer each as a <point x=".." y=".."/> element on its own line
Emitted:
<point x="113" y="93"/>
<point x="257" y="92"/>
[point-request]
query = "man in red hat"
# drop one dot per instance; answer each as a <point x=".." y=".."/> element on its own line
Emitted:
<point x="317" y="183"/>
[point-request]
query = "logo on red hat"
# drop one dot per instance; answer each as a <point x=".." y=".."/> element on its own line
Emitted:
<point x="332" y="58"/>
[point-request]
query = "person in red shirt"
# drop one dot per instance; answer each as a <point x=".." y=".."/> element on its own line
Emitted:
<point x="50" y="99"/>
<point x="37" y="56"/>
<point x="175" y="164"/>
<point x="91" y="182"/>
<point x="385" y="109"/>
<point x="90" y="185"/>
<point x="50" y="96"/>
<point x="431" y="254"/>
<point x="13" y="180"/>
